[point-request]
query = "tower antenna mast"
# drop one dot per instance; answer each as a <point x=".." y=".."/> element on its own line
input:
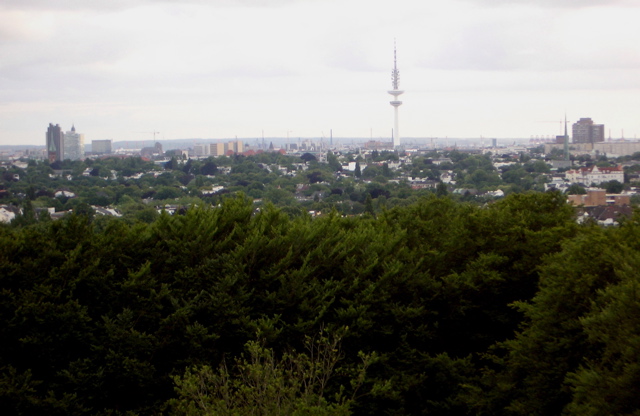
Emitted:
<point x="395" y="92"/>
<point x="566" y="139"/>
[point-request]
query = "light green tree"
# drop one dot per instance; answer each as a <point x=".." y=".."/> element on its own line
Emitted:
<point x="260" y="383"/>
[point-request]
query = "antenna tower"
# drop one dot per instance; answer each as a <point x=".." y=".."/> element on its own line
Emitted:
<point x="395" y="92"/>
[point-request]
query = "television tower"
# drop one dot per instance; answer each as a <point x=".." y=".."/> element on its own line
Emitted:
<point x="395" y="82"/>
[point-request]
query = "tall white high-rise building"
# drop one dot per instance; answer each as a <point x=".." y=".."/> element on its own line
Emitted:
<point x="73" y="145"/>
<point x="395" y="83"/>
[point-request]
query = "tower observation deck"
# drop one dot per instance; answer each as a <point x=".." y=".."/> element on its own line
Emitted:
<point x="395" y="82"/>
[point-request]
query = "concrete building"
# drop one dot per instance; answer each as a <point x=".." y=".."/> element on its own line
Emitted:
<point x="152" y="151"/>
<point x="593" y="197"/>
<point x="216" y="149"/>
<point x="617" y="148"/>
<point x="101" y="147"/>
<point x="599" y="197"/>
<point x="585" y="131"/>
<point x="55" y="143"/>
<point x="611" y="149"/>
<point x="201" y="149"/>
<point x="221" y="149"/>
<point x="235" y="146"/>
<point x="73" y="145"/>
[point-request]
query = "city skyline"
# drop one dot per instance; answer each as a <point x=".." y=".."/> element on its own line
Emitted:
<point x="304" y="68"/>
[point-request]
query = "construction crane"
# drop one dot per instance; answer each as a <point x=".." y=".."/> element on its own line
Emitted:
<point x="561" y="122"/>
<point x="149" y="132"/>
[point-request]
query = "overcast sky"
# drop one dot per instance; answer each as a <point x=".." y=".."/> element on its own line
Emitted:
<point x="120" y="69"/>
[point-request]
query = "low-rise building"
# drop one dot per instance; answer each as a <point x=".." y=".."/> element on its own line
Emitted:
<point x="599" y="197"/>
<point x="595" y="175"/>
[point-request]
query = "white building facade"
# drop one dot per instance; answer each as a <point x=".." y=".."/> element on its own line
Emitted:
<point x="73" y="145"/>
<point x="595" y="175"/>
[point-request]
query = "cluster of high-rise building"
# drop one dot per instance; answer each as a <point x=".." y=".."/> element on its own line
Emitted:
<point x="64" y="145"/>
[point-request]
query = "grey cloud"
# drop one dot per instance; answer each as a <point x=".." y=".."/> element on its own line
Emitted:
<point x="253" y="71"/>
<point x="567" y="4"/>
<point x="529" y="43"/>
<point x="493" y="46"/>
<point x="67" y="5"/>
<point x="115" y="5"/>
<point x="68" y="50"/>
<point x="351" y="57"/>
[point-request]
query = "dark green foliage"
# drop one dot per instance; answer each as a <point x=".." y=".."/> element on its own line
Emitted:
<point x="209" y="168"/>
<point x="102" y="317"/>
<point x="333" y="162"/>
<point x="441" y="189"/>
<point x="613" y="187"/>
<point x="576" y="189"/>
<point x="308" y="157"/>
<point x="576" y="353"/>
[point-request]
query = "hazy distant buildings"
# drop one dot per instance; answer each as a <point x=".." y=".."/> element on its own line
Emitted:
<point x="101" y="147"/>
<point x="235" y="146"/>
<point x="221" y="149"/>
<point x="378" y="145"/>
<point x="61" y="146"/>
<point x="73" y="145"/>
<point x="201" y="149"/>
<point x="585" y="131"/>
<point x="151" y="151"/>
<point x="216" y="149"/>
<point x="55" y="143"/>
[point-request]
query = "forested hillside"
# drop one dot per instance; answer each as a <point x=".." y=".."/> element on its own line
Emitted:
<point x="438" y="308"/>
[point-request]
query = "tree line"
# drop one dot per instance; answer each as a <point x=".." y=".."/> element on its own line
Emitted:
<point x="438" y="307"/>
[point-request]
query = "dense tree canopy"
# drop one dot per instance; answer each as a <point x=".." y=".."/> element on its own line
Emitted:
<point x="440" y="307"/>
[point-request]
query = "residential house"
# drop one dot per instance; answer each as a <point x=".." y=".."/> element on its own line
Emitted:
<point x="595" y="175"/>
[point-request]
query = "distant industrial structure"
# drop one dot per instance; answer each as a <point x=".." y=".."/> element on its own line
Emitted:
<point x="588" y="137"/>
<point x="395" y="83"/>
